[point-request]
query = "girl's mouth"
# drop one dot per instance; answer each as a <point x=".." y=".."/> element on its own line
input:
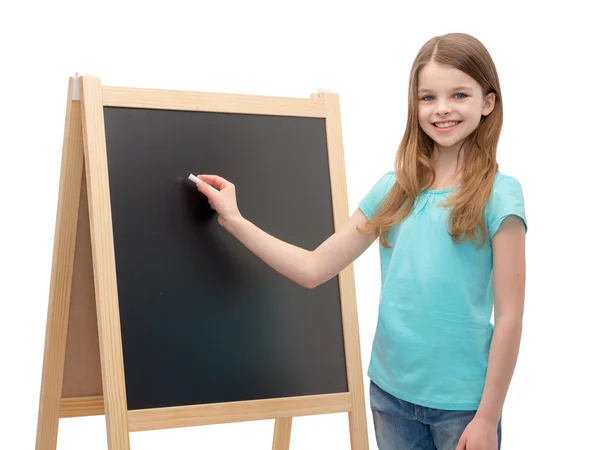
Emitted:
<point x="444" y="127"/>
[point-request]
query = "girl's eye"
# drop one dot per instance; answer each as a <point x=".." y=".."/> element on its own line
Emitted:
<point x="460" y="93"/>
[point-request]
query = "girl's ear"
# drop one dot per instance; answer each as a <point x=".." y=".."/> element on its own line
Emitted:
<point x="488" y="103"/>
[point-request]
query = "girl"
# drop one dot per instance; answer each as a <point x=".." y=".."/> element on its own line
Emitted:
<point x="444" y="218"/>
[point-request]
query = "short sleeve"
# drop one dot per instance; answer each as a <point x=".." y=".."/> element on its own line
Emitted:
<point x="369" y="205"/>
<point x="506" y="200"/>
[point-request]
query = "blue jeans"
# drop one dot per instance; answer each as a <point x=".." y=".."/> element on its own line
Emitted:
<point x="401" y="425"/>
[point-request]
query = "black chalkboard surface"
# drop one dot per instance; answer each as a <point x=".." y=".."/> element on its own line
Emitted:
<point x="203" y="320"/>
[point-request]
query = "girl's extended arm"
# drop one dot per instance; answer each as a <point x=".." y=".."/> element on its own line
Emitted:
<point x="307" y="268"/>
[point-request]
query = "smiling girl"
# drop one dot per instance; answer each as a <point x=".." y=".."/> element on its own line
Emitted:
<point x="451" y="231"/>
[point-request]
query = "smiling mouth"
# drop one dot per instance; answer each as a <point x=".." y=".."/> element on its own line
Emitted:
<point x="449" y="124"/>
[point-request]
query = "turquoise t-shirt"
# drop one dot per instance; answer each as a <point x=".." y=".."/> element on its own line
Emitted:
<point x="433" y="332"/>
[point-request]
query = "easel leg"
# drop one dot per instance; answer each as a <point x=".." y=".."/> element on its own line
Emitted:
<point x="283" y="431"/>
<point x="105" y="280"/>
<point x="357" y="415"/>
<point x="62" y="271"/>
<point x="358" y="430"/>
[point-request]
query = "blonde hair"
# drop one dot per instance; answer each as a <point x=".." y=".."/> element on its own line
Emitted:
<point x="413" y="163"/>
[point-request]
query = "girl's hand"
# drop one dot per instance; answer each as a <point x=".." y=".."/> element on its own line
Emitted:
<point x="223" y="201"/>
<point x="479" y="435"/>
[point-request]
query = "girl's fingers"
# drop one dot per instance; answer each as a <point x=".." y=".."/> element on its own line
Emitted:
<point x="214" y="180"/>
<point x="206" y="189"/>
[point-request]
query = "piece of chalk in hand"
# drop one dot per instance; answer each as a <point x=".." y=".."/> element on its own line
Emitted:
<point x="198" y="180"/>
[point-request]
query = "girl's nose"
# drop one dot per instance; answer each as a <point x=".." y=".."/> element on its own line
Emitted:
<point x="443" y="109"/>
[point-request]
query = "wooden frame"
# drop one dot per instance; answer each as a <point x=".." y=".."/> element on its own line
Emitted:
<point x="83" y="335"/>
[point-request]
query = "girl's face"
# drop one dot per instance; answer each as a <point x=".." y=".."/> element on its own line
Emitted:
<point x="447" y="96"/>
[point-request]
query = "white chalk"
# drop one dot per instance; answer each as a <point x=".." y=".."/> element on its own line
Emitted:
<point x="194" y="178"/>
<point x="198" y="180"/>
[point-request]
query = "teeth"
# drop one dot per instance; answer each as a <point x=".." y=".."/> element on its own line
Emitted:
<point x="445" y="124"/>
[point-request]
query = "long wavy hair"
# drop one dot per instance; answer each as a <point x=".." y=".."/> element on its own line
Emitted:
<point x="414" y="164"/>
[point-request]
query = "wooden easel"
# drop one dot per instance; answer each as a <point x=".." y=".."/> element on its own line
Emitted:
<point x="83" y="360"/>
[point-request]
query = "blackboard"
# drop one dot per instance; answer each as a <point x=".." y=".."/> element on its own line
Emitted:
<point x="157" y="317"/>
<point x="203" y="320"/>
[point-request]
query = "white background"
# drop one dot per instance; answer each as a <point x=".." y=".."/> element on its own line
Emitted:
<point x="545" y="56"/>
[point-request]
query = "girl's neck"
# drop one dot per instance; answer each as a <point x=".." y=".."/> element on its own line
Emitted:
<point x="447" y="163"/>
